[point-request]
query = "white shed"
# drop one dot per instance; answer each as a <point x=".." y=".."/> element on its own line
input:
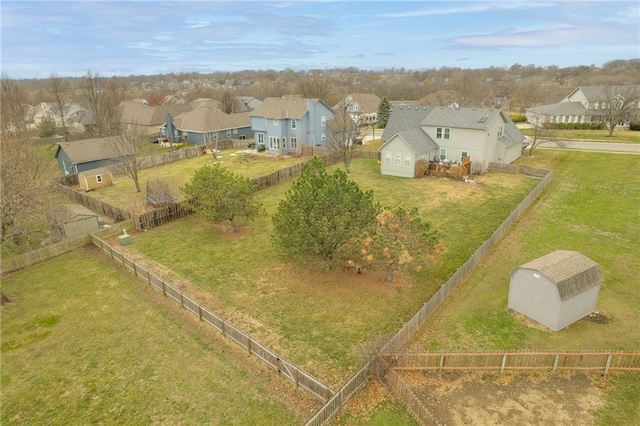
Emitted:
<point x="557" y="289"/>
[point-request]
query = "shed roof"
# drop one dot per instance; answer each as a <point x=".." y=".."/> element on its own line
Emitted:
<point x="571" y="271"/>
<point x="65" y="213"/>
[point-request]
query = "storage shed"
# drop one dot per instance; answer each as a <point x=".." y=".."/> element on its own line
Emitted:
<point x="72" y="220"/>
<point x="557" y="289"/>
<point x="95" y="178"/>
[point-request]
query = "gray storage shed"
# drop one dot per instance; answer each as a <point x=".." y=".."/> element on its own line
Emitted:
<point x="557" y="289"/>
<point x="72" y="220"/>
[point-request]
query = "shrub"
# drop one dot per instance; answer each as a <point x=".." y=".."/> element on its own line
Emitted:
<point x="518" y="118"/>
<point x="634" y="126"/>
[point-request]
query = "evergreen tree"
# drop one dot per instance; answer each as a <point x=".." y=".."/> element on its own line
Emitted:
<point x="218" y="195"/>
<point x="321" y="215"/>
<point x="384" y="111"/>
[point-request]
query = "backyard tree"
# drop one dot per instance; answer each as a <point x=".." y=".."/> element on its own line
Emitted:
<point x="218" y="195"/>
<point x="60" y="90"/>
<point x="618" y="104"/>
<point x="229" y="101"/>
<point x="400" y="239"/>
<point x="321" y="215"/>
<point x="384" y="112"/>
<point x="128" y="149"/>
<point x="343" y="136"/>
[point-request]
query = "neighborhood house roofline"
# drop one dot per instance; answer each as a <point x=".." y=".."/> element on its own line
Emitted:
<point x="287" y="107"/>
<point x="87" y="150"/>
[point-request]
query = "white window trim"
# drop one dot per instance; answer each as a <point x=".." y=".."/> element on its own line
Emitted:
<point x="294" y="123"/>
<point x="98" y="178"/>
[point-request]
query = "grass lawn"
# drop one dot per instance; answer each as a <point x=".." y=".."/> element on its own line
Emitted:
<point x="619" y="136"/>
<point x="591" y="206"/>
<point x="327" y="323"/>
<point x="87" y="343"/>
<point x="123" y="193"/>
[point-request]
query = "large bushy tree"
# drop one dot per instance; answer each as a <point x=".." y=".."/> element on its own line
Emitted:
<point x="220" y="196"/>
<point x="400" y="239"/>
<point x="321" y="215"/>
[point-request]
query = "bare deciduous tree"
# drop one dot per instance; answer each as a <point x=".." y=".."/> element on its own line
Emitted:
<point x="93" y="89"/>
<point x="128" y="149"/>
<point x="13" y="104"/>
<point x="60" y="89"/>
<point x="343" y="137"/>
<point x="618" y="105"/>
<point x="314" y="87"/>
<point x="229" y="101"/>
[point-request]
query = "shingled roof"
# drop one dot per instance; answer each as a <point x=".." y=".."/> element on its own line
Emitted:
<point x="202" y="120"/>
<point x="288" y="106"/>
<point x="571" y="271"/>
<point x="88" y="150"/>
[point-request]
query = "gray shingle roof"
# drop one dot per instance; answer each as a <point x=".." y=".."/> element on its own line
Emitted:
<point x="87" y="150"/>
<point x="288" y="106"/>
<point x="571" y="271"/>
<point x="472" y="118"/>
<point x="203" y="120"/>
<point x="368" y="102"/>
<point x="143" y="115"/>
<point x="598" y="93"/>
<point x="561" y="108"/>
<point x="404" y="118"/>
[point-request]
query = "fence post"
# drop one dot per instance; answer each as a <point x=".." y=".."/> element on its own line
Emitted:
<point x="441" y="363"/>
<point x="504" y="362"/>
<point x="606" y="368"/>
<point x="200" y="312"/>
<point x="181" y="300"/>
<point x="555" y="363"/>
<point x="249" y="344"/>
<point x="164" y="289"/>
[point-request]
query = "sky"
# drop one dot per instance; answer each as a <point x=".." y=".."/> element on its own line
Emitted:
<point x="122" y="38"/>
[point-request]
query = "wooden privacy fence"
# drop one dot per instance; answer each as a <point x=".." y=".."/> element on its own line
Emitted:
<point x="553" y="361"/>
<point x="287" y="369"/>
<point x="418" y="408"/>
<point x="402" y="337"/>
<point x="91" y="203"/>
<point x="40" y="255"/>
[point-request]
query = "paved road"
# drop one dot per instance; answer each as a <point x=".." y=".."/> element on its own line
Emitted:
<point x="594" y="146"/>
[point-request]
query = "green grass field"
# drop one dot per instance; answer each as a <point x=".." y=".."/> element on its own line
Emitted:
<point x="87" y="343"/>
<point x="326" y="322"/>
<point x="624" y="136"/>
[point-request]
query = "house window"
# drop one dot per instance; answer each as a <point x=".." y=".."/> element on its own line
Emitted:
<point x="464" y="155"/>
<point x="323" y="120"/>
<point x="397" y="159"/>
<point x="235" y="131"/>
<point x="294" y="142"/>
<point x="274" y="142"/>
<point x="229" y="133"/>
<point x="284" y="143"/>
<point x="443" y="153"/>
<point x="407" y="160"/>
<point x="294" y="124"/>
<point x="443" y="133"/>
<point x="500" y="131"/>
<point x="275" y="122"/>
<point x="387" y="158"/>
<point x="260" y="138"/>
<point x="323" y="137"/>
<point x="99" y="178"/>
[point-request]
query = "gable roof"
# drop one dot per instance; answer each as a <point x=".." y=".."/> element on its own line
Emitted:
<point x="87" y="150"/>
<point x="202" y="120"/>
<point x="66" y="213"/>
<point x="404" y="118"/>
<point x="288" y="106"/>
<point x="143" y="115"/>
<point x="598" y="93"/>
<point x="368" y="103"/>
<point x="471" y="118"/>
<point x="571" y="271"/>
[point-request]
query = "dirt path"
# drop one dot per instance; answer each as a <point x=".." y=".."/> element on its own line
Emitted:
<point x="457" y="398"/>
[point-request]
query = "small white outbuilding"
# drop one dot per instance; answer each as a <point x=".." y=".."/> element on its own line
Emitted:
<point x="557" y="289"/>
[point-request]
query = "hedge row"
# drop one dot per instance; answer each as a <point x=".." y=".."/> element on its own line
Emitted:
<point x="575" y="126"/>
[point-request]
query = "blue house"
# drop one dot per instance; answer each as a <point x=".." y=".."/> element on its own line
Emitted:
<point x="75" y="157"/>
<point x="285" y="125"/>
<point x="205" y="125"/>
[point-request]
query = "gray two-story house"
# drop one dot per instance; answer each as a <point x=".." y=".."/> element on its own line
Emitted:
<point x="448" y="135"/>
<point x="285" y="125"/>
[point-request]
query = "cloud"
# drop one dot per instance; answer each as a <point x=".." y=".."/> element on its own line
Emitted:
<point x="474" y="7"/>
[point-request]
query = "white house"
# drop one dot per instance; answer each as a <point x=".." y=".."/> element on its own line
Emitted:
<point x="447" y="135"/>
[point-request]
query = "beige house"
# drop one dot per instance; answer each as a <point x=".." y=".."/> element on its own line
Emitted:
<point x="362" y="107"/>
<point x="586" y="104"/>
<point x="447" y="135"/>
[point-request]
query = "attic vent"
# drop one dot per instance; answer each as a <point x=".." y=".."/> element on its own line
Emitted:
<point x="417" y="108"/>
<point x="483" y="119"/>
